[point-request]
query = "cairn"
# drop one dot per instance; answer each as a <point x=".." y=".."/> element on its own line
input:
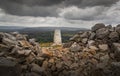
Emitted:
<point x="89" y="53"/>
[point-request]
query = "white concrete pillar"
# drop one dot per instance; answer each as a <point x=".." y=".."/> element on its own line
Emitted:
<point x="57" y="37"/>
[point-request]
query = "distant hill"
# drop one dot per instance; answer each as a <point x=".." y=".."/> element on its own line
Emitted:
<point x="32" y="29"/>
<point x="11" y="27"/>
<point x="52" y="29"/>
<point x="43" y="34"/>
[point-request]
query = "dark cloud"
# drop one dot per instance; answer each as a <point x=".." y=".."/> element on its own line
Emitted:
<point x="46" y="7"/>
<point x="16" y="8"/>
<point x="86" y="3"/>
<point x="34" y="2"/>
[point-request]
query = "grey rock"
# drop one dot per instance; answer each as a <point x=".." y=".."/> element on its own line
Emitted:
<point x="45" y="64"/>
<point x="93" y="48"/>
<point x="27" y="52"/>
<point x="75" y="47"/>
<point x="75" y="37"/>
<point x="84" y="40"/>
<point x="103" y="47"/>
<point x="91" y="43"/>
<point x="9" y="36"/>
<point x="98" y="26"/>
<point x="102" y="33"/>
<point x="9" y="68"/>
<point x="32" y="41"/>
<point x="1" y="36"/>
<point x="32" y="74"/>
<point x="101" y="65"/>
<point x="92" y="35"/>
<point x="118" y="25"/>
<point x="105" y="59"/>
<point x="6" y="62"/>
<point x="4" y="48"/>
<point x="114" y="36"/>
<point x="116" y="47"/>
<point x="67" y="45"/>
<point x="15" y="49"/>
<point x="85" y="35"/>
<point x="59" y="65"/>
<point x="20" y="51"/>
<point x="21" y="37"/>
<point x="37" y="69"/>
<point x="109" y="26"/>
<point x="68" y="63"/>
<point x="115" y="68"/>
<point x="115" y="64"/>
<point x="74" y="65"/>
<point x="9" y="42"/>
<point x="117" y="29"/>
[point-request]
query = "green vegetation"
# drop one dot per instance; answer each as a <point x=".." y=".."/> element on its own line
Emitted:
<point x="47" y="36"/>
<point x="45" y="44"/>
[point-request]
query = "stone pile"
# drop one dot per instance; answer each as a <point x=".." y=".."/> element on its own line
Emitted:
<point x="90" y="53"/>
<point x="98" y="49"/>
<point x="18" y="55"/>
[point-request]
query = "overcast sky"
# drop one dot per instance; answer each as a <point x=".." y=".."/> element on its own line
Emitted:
<point x="69" y="13"/>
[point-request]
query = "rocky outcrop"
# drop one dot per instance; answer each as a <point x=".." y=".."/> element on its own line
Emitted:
<point x="99" y="50"/>
<point x="89" y="53"/>
<point x="17" y="55"/>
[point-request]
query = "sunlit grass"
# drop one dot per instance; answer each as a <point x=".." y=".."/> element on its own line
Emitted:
<point x="46" y="44"/>
<point x="50" y="45"/>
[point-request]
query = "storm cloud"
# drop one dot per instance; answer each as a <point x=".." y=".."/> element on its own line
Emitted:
<point x="47" y="7"/>
<point x="59" y="12"/>
<point x="86" y="3"/>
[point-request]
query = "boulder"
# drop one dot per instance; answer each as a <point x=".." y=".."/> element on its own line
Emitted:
<point x="23" y="52"/>
<point x="84" y="40"/>
<point x="59" y="65"/>
<point x="75" y="47"/>
<point x="114" y="36"/>
<point x="45" y="65"/>
<point x="98" y="26"/>
<point x="118" y="25"/>
<point x="32" y="74"/>
<point x="103" y="47"/>
<point x="1" y="36"/>
<point x="75" y="37"/>
<point x="45" y="53"/>
<point x="32" y="41"/>
<point x="15" y="49"/>
<point x="102" y="33"/>
<point x="109" y="26"/>
<point x="9" y="42"/>
<point x="4" y="48"/>
<point x="115" y="68"/>
<point x="51" y="61"/>
<point x="9" y="36"/>
<point x="85" y="35"/>
<point x="37" y="69"/>
<point x="74" y="65"/>
<point x="93" y="48"/>
<point x="91" y="43"/>
<point x="24" y="43"/>
<point x="116" y="47"/>
<point x="21" y="37"/>
<point x="117" y="29"/>
<point x="92" y="35"/>
<point x="115" y="65"/>
<point x="105" y="59"/>
<point x="67" y="45"/>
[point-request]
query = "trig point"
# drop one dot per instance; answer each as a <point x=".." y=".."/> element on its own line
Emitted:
<point x="57" y="37"/>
